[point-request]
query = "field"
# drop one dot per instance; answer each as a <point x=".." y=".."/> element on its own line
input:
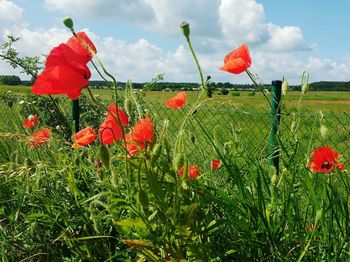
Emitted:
<point x="337" y="102"/>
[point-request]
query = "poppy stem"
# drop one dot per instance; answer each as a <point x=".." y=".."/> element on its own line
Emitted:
<point x="257" y="86"/>
<point x="203" y="84"/>
<point x="66" y="123"/>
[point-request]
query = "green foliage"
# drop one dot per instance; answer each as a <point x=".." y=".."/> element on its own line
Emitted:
<point x="11" y="80"/>
<point x="29" y="65"/>
<point x="236" y="94"/>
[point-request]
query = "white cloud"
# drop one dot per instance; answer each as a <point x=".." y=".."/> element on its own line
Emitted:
<point x="10" y="12"/>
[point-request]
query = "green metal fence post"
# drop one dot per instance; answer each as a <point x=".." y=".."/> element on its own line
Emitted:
<point x="276" y="92"/>
<point x="75" y="114"/>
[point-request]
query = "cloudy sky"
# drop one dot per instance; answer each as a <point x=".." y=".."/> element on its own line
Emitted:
<point x="138" y="39"/>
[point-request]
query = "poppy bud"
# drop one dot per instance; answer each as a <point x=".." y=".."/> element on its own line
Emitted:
<point x="157" y="149"/>
<point x="285" y="87"/>
<point x="104" y="155"/>
<point x="293" y="127"/>
<point x="30" y="117"/>
<point x="178" y="161"/>
<point x="185" y="29"/>
<point x="68" y="22"/>
<point x="305" y="82"/>
<point x="143" y="199"/>
<point x="305" y="88"/>
<point x="128" y="106"/>
<point x="274" y="180"/>
<point x="324" y="131"/>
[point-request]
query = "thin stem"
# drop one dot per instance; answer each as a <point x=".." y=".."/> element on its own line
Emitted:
<point x="257" y="86"/>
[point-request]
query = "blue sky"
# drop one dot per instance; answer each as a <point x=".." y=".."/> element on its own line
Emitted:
<point x="138" y="39"/>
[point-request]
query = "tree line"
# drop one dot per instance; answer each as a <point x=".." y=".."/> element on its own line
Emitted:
<point x="169" y="86"/>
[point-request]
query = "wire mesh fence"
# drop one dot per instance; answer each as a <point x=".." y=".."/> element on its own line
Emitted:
<point x="299" y="131"/>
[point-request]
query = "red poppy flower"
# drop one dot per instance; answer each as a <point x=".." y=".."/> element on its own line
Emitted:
<point x="181" y="171"/>
<point x="325" y="159"/>
<point x="143" y="132"/>
<point x="177" y="101"/>
<point x="132" y="146"/>
<point x="30" y="121"/>
<point x="112" y="114"/>
<point x="110" y="131"/>
<point x="84" y="137"/>
<point x="141" y="135"/>
<point x="40" y="137"/>
<point x="237" y="61"/>
<point x="79" y="48"/>
<point x="215" y="164"/>
<point x="65" y="70"/>
<point x="192" y="171"/>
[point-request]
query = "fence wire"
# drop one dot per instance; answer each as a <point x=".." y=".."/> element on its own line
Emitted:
<point x="250" y="127"/>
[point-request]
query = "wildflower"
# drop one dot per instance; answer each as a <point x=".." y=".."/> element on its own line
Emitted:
<point x="131" y="145"/>
<point x="110" y="131"/>
<point x="192" y="171"/>
<point x="80" y="48"/>
<point x="237" y="61"/>
<point x="40" y="137"/>
<point x="177" y="101"/>
<point x="30" y="121"/>
<point x="325" y="159"/>
<point x="65" y="69"/>
<point x="215" y="164"/>
<point x="84" y="137"/>
<point x="141" y="135"/>
<point x="143" y="132"/>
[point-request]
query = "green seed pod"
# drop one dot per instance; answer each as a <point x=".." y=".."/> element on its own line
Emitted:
<point x="157" y="149"/>
<point x="143" y="199"/>
<point x="185" y="27"/>
<point x="68" y="22"/>
<point x="104" y="155"/>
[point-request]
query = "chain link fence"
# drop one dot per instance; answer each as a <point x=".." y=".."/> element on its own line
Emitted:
<point x="299" y="131"/>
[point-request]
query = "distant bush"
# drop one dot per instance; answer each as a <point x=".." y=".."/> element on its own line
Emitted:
<point x="236" y="94"/>
<point x="224" y="91"/>
<point x="251" y="93"/>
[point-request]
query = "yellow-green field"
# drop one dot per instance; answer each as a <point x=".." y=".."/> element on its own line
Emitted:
<point x="314" y="100"/>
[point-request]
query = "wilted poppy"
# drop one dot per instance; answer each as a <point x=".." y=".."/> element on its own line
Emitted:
<point x="192" y="171"/>
<point x="84" y="137"/>
<point x="65" y="70"/>
<point x="237" y="61"/>
<point x="215" y="164"/>
<point x="40" y="137"/>
<point x="325" y="159"/>
<point x="30" y="121"/>
<point x="177" y="101"/>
